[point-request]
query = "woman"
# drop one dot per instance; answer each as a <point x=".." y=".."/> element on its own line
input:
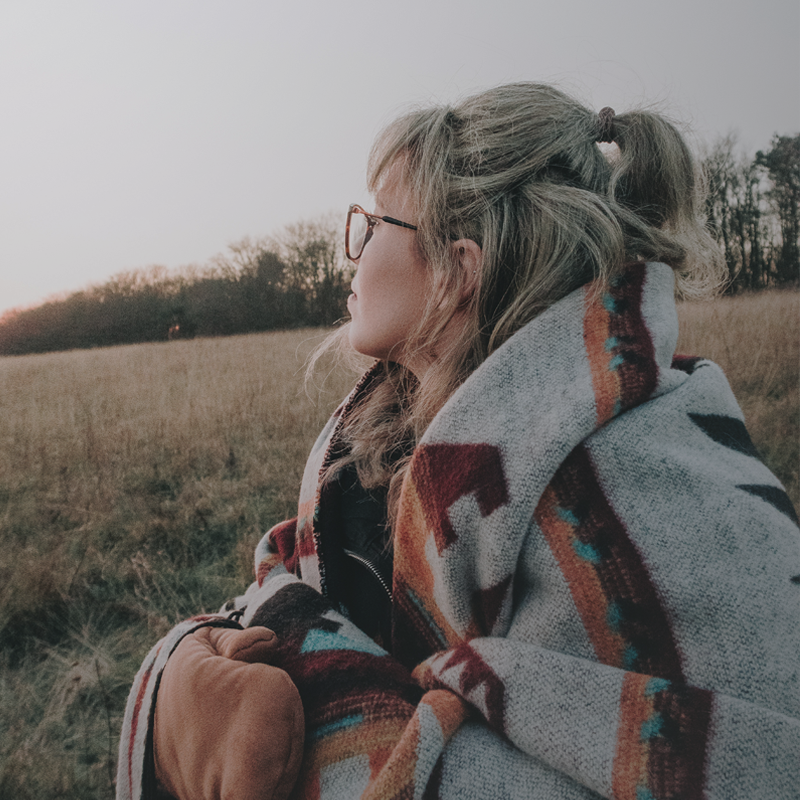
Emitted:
<point x="563" y="532"/>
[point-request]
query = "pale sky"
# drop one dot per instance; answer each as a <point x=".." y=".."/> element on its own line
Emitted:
<point x="142" y="132"/>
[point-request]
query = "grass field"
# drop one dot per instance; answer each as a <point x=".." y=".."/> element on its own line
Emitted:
<point x="135" y="482"/>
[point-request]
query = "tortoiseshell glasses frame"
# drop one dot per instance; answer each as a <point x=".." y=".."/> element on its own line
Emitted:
<point x="372" y="220"/>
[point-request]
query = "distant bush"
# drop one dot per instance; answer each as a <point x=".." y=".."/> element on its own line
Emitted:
<point x="295" y="279"/>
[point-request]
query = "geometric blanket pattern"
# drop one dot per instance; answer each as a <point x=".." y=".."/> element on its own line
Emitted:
<point x="595" y="588"/>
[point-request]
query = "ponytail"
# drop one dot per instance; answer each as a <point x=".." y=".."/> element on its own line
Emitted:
<point x="655" y="178"/>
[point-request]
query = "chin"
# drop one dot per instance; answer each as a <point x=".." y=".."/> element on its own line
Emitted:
<point x="352" y="335"/>
<point x="355" y="341"/>
<point x="360" y="346"/>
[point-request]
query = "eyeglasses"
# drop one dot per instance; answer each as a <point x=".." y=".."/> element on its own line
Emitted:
<point x="358" y="230"/>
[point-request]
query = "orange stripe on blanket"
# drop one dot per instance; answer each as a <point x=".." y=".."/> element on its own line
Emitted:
<point x="396" y="779"/>
<point x="596" y="333"/>
<point x="411" y="534"/>
<point x="377" y="760"/>
<point x="305" y="527"/>
<point x="630" y="759"/>
<point x="397" y="775"/>
<point x="450" y="710"/>
<point x="266" y="565"/>
<point x="357" y="740"/>
<point x="582" y="578"/>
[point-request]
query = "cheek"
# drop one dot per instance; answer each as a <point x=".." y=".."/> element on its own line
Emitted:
<point x="392" y="287"/>
<point x="386" y="312"/>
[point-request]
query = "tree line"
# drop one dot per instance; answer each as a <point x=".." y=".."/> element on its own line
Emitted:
<point x="753" y="209"/>
<point x="300" y="277"/>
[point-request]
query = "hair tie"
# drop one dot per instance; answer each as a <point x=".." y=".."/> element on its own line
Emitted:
<point x="605" y="128"/>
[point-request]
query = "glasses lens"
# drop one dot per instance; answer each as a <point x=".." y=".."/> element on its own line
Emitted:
<point x="358" y="231"/>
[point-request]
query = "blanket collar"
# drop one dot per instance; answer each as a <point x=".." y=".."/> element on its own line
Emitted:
<point x="498" y="441"/>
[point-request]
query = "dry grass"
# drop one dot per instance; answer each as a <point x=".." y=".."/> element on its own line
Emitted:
<point x="121" y="455"/>
<point x="134" y="483"/>
<point x="755" y="338"/>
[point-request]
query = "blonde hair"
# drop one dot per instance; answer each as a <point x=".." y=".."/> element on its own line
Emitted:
<point x="518" y="170"/>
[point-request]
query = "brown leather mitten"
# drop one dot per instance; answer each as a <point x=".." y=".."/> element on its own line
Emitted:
<point x="227" y="726"/>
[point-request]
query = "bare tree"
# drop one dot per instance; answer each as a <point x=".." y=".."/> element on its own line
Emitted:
<point x="740" y="216"/>
<point x="316" y="266"/>
<point x="782" y="163"/>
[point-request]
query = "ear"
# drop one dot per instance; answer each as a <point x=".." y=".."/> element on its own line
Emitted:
<point x="469" y="256"/>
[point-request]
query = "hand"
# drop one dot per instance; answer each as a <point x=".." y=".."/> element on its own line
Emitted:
<point x="227" y="725"/>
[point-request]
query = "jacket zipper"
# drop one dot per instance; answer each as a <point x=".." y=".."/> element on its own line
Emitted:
<point x="340" y="413"/>
<point x="372" y="568"/>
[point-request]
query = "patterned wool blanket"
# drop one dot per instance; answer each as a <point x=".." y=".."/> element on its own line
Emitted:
<point x="596" y="587"/>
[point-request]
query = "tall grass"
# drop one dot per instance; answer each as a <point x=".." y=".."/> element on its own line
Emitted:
<point x="135" y="482"/>
<point x="755" y="338"/>
<point x="134" y="485"/>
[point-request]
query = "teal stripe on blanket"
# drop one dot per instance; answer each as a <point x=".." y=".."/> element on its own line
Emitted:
<point x="338" y="725"/>
<point x="317" y="640"/>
